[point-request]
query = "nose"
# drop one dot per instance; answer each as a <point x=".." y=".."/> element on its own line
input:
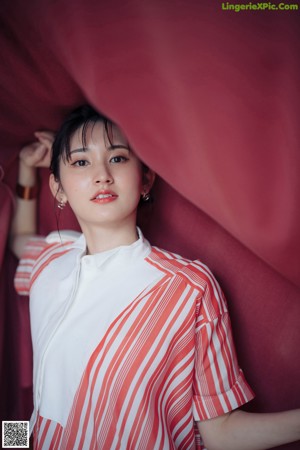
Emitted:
<point x="103" y="175"/>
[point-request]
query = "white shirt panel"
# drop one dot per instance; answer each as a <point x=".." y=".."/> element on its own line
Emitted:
<point x="101" y="296"/>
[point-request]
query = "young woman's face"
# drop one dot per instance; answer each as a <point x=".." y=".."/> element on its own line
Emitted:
<point x="103" y="181"/>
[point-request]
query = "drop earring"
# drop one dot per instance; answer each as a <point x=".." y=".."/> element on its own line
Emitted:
<point x="146" y="197"/>
<point x="61" y="204"/>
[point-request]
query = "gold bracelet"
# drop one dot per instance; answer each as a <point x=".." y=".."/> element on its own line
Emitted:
<point x="27" y="192"/>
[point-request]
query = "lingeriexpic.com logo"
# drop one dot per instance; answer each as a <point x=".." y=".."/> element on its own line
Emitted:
<point x="267" y="6"/>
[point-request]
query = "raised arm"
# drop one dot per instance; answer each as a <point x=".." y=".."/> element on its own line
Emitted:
<point x="32" y="156"/>
<point x="240" y="430"/>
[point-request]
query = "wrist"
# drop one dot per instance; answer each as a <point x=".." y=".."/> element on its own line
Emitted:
<point x="27" y="192"/>
<point x="27" y="186"/>
<point x="27" y="175"/>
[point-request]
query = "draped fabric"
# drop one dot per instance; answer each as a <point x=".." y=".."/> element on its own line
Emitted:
<point x="209" y="98"/>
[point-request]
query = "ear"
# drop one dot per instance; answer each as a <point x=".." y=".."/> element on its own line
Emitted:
<point x="56" y="189"/>
<point x="148" y="180"/>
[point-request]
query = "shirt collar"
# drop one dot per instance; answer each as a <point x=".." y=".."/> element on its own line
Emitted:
<point x="122" y="254"/>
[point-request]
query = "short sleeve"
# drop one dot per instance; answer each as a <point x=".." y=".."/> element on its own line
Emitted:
<point x="219" y="384"/>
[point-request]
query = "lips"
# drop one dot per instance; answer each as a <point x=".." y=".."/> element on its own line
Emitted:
<point x="104" y="196"/>
<point x="101" y="196"/>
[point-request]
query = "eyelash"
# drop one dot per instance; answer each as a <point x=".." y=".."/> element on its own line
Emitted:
<point x="120" y="159"/>
<point x="76" y="163"/>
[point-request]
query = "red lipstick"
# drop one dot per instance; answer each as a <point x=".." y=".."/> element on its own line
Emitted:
<point x="104" y="196"/>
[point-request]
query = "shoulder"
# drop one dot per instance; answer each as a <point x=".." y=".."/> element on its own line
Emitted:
<point x="39" y="252"/>
<point x="194" y="271"/>
<point x="57" y="245"/>
<point x="195" y="274"/>
<point x="62" y="236"/>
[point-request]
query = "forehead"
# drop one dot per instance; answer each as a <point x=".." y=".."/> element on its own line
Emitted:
<point x="107" y="133"/>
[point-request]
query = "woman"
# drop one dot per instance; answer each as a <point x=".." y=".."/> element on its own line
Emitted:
<point x="132" y="344"/>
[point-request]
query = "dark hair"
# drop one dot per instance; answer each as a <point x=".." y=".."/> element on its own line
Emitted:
<point x="82" y="116"/>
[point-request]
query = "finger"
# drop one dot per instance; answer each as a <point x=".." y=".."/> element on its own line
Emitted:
<point x="47" y="141"/>
<point x="41" y="157"/>
<point x="44" y="134"/>
<point x="45" y="159"/>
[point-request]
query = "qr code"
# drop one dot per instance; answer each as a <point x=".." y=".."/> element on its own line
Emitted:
<point x="15" y="434"/>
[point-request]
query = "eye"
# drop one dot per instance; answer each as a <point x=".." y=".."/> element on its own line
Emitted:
<point x="118" y="159"/>
<point x="80" y="163"/>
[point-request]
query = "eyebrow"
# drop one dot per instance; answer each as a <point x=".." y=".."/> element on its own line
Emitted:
<point x="110" y="148"/>
<point x="78" y="150"/>
<point x="116" y="146"/>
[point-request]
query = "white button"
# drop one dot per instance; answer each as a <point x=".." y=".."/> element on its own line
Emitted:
<point x="87" y="261"/>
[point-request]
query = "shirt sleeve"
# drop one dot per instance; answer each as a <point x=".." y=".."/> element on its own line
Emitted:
<point x="219" y="383"/>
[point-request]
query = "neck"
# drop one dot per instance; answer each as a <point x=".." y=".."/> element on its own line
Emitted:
<point x="100" y="239"/>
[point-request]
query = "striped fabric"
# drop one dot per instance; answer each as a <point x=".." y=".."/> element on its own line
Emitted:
<point x="39" y="252"/>
<point x="33" y="249"/>
<point x="166" y="361"/>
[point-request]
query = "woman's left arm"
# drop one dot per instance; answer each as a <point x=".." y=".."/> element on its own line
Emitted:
<point x="239" y="430"/>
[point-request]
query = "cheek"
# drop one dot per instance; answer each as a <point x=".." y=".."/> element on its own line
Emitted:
<point x="71" y="182"/>
<point x="129" y="178"/>
<point x="72" y="189"/>
<point x="136" y="181"/>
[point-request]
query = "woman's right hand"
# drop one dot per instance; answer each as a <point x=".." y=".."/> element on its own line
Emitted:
<point x="38" y="153"/>
<point x="34" y="155"/>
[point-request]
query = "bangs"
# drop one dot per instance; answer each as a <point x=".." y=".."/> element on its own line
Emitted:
<point x="81" y="120"/>
<point x="89" y="123"/>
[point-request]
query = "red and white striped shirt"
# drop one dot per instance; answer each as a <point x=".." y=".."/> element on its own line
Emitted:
<point x="131" y="347"/>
